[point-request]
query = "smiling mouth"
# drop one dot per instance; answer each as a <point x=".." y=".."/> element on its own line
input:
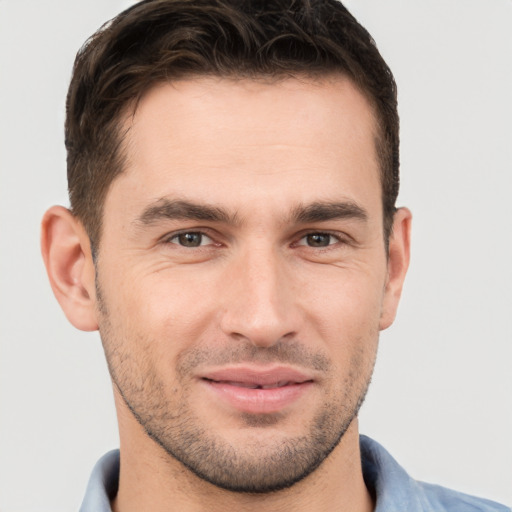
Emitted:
<point x="257" y="390"/>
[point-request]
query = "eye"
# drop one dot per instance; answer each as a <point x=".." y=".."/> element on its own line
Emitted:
<point x="318" y="240"/>
<point x="191" y="239"/>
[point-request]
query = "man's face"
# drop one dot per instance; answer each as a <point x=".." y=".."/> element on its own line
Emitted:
<point x="242" y="273"/>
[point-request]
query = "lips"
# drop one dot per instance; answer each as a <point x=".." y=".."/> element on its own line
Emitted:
<point x="259" y="386"/>
<point x="257" y="390"/>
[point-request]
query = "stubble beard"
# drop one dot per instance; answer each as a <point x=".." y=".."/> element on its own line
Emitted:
<point x="256" y="466"/>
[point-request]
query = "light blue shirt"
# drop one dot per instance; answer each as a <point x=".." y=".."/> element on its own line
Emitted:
<point x="393" y="489"/>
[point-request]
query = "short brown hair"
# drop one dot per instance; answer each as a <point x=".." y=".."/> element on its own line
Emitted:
<point x="163" y="40"/>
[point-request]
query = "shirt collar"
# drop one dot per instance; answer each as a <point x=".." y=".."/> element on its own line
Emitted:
<point x="383" y="477"/>
<point x="392" y="488"/>
<point x="103" y="484"/>
<point x="387" y="481"/>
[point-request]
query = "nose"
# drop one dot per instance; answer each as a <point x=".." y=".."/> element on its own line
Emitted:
<point x="259" y="301"/>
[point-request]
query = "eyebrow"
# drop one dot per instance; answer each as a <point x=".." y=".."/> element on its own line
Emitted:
<point x="324" y="211"/>
<point x="166" y="209"/>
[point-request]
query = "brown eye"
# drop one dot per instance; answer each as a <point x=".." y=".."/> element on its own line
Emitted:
<point x="190" y="239"/>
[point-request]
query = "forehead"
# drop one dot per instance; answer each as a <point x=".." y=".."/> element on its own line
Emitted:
<point x="237" y="141"/>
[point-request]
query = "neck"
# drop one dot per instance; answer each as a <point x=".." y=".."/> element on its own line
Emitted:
<point x="150" y="479"/>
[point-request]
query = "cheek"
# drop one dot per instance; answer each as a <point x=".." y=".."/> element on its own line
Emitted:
<point x="165" y="312"/>
<point x="162" y="312"/>
<point x="346" y="299"/>
<point x="345" y="312"/>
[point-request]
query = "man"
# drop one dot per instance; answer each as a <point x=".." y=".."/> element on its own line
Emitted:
<point x="233" y="172"/>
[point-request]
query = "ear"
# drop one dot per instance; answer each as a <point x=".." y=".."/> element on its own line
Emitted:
<point x="67" y="256"/>
<point x="398" y="263"/>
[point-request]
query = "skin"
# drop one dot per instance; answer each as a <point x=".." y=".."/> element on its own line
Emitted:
<point x="268" y="284"/>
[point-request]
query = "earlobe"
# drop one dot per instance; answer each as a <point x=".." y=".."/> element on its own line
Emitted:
<point x="67" y="256"/>
<point x="398" y="263"/>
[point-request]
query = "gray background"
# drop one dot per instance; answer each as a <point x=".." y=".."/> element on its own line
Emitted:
<point x="441" y="395"/>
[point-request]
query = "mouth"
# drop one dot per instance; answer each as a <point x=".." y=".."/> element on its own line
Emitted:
<point x="249" y="385"/>
<point x="257" y="390"/>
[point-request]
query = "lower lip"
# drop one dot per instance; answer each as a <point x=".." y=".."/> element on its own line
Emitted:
<point x="258" y="401"/>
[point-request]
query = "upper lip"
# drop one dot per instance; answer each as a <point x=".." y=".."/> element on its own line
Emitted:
<point x="257" y="376"/>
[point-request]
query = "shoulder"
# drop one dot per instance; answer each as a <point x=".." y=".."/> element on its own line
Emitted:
<point x="443" y="499"/>
<point x="394" y="490"/>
